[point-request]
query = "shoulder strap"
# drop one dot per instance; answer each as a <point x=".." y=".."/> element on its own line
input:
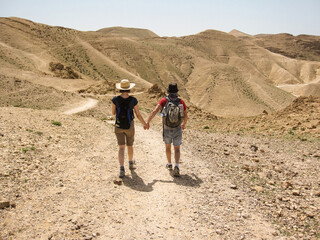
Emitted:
<point x="176" y="101"/>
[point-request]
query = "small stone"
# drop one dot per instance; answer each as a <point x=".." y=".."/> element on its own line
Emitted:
<point x="254" y="148"/>
<point x="310" y="214"/>
<point x="4" y="204"/>
<point x="287" y="185"/>
<point x="117" y="181"/>
<point x="256" y="160"/>
<point x="233" y="187"/>
<point x="246" y="167"/>
<point x="258" y="189"/>
<point x="317" y="194"/>
<point x="277" y="169"/>
<point x="296" y="192"/>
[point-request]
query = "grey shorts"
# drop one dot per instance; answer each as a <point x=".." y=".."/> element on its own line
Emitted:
<point x="172" y="135"/>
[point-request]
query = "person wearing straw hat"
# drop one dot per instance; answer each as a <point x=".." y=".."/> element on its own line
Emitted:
<point x="124" y="107"/>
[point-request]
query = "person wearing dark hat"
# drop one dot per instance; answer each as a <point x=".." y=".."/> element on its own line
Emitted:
<point x="174" y="116"/>
<point x="124" y="107"/>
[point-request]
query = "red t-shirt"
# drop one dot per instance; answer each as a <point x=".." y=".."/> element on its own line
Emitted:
<point x="163" y="102"/>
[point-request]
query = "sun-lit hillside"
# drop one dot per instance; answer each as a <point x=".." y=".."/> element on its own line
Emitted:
<point x="221" y="73"/>
<point x="128" y="32"/>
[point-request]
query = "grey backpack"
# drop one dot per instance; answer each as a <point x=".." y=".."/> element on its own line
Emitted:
<point x="172" y="116"/>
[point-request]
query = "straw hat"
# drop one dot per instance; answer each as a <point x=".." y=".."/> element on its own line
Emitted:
<point x="125" y="85"/>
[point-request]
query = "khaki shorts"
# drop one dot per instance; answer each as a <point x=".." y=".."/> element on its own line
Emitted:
<point x="125" y="136"/>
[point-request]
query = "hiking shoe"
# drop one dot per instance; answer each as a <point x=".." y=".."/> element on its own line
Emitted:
<point x="169" y="166"/>
<point x="122" y="173"/>
<point x="132" y="165"/>
<point x="176" y="172"/>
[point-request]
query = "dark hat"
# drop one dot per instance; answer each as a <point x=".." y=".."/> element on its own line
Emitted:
<point x="173" y="88"/>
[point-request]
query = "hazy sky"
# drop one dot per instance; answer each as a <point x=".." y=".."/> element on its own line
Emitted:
<point x="173" y="17"/>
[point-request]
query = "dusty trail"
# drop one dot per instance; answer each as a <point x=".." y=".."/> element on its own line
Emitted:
<point x="84" y="106"/>
<point x="78" y="199"/>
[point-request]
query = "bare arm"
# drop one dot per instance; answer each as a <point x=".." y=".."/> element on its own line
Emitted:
<point x="136" y="110"/>
<point x="154" y="112"/>
<point x="113" y="109"/>
<point x="185" y="119"/>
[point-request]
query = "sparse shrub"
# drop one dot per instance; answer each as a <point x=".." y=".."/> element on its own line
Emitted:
<point x="33" y="148"/>
<point x="29" y="130"/>
<point x="62" y="71"/>
<point x="39" y="133"/>
<point x="24" y="150"/>
<point x="206" y="127"/>
<point x="291" y="132"/>
<point x="56" y="123"/>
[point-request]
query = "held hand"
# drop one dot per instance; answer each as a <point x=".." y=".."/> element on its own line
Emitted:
<point x="183" y="126"/>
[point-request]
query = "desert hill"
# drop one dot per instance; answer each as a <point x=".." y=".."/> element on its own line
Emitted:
<point x="305" y="47"/>
<point x="128" y="32"/>
<point x="238" y="33"/>
<point x="216" y="71"/>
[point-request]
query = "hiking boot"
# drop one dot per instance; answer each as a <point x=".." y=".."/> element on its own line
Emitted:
<point x="122" y="173"/>
<point x="169" y="166"/>
<point x="176" y="172"/>
<point x="132" y="165"/>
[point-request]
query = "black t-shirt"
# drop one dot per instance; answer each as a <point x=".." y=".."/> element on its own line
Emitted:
<point x="132" y="101"/>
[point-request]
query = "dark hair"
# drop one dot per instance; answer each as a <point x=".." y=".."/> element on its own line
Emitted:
<point x="122" y="91"/>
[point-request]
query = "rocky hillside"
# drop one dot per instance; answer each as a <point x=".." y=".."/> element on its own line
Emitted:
<point x="305" y="47"/>
<point x="216" y="72"/>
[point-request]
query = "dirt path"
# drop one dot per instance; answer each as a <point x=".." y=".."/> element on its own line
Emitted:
<point x="71" y="194"/>
<point x="83" y="106"/>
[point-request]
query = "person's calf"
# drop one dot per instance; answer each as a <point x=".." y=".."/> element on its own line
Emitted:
<point x="177" y="154"/>
<point x="121" y="154"/>
<point x="168" y="152"/>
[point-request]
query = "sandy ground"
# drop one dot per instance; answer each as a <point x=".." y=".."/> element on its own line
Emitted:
<point x="71" y="192"/>
<point x="58" y="173"/>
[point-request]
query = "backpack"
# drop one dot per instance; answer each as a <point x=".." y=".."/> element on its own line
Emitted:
<point x="173" y="113"/>
<point x="124" y="107"/>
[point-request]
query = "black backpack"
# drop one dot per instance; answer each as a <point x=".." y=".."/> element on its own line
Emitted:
<point x="124" y="108"/>
<point x="173" y="115"/>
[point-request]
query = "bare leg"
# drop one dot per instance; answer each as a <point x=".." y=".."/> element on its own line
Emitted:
<point x="130" y="152"/>
<point x="177" y="153"/>
<point x="121" y="154"/>
<point x="168" y="152"/>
